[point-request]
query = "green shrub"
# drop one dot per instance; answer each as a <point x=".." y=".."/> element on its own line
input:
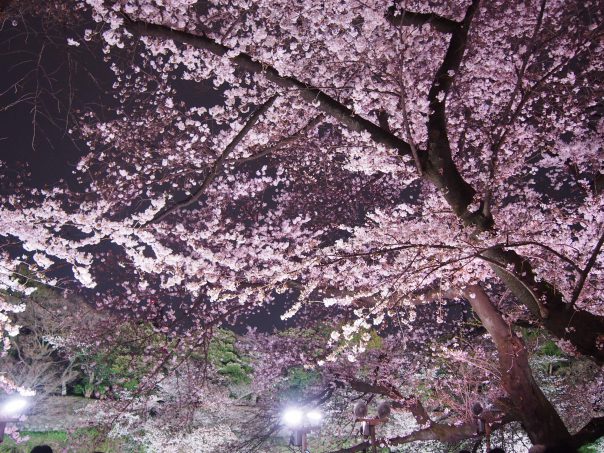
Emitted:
<point x="550" y="348"/>
<point x="596" y="447"/>
<point x="298" y="379"/>
<point x="229" y="362"/>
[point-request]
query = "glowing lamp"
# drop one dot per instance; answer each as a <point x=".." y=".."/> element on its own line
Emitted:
<point x="10" y="409"/>
<point x="13" y="407"/>
<point x="384" y="410"/>
<point x="293" y="417"/>
<point x="477" y="409"/>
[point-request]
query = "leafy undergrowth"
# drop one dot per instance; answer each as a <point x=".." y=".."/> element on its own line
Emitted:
<point x="596" y="447"/>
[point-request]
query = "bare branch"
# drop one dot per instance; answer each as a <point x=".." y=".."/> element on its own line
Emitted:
<point x="582" y="328"/>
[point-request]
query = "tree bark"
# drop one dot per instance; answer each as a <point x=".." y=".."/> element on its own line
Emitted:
<point x="541" y="421"/>
<point x="584" y="330"/>
<point x="439" y="165"/>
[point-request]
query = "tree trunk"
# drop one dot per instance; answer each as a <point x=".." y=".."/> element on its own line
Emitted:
<point x="540" y="419"/>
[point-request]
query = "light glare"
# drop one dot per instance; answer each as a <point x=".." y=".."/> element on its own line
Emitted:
<point x="293" y="417"/>
<point x="314" y="416"/>
<point x="14" y="406"/>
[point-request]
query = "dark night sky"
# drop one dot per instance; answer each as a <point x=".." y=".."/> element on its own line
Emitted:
<point x="65" y="78"/>
<point x="43" y="77"/>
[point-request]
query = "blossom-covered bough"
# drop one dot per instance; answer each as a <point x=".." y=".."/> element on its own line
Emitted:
<point x="367" y="156"/>
<point x="9" y="282"/>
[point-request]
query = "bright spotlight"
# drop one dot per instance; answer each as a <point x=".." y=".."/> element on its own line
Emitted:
<point x="13" y="407"/>
<point x="314" y="416"/>
<point x="293" y="417"/>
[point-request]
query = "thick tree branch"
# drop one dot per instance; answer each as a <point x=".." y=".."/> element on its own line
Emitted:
<point x="418" y="411"/>
<point x="215" y="169"/>
<point x="589" y="433"/>
<point x="322" y="100"/>
<point x="439" y="165"/>
<point x="563" y="257"/>
<point x="441" y="432"/>
<point x="531" y="300"/>
<point x="581" y="328"/>
<point x="365" y="387"/>
<point x="364" y="446"/>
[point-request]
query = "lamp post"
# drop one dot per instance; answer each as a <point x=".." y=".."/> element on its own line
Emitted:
<point x="482" y="427"/>
<point x="477" y="410"/>
<point x="9" y="412"/>
<point x="301" y="422"/>
<point x="368" y="424"/>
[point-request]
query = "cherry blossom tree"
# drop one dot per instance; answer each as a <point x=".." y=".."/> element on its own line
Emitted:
<point x="433" y="375"/>
<point x="362" y="157"/>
